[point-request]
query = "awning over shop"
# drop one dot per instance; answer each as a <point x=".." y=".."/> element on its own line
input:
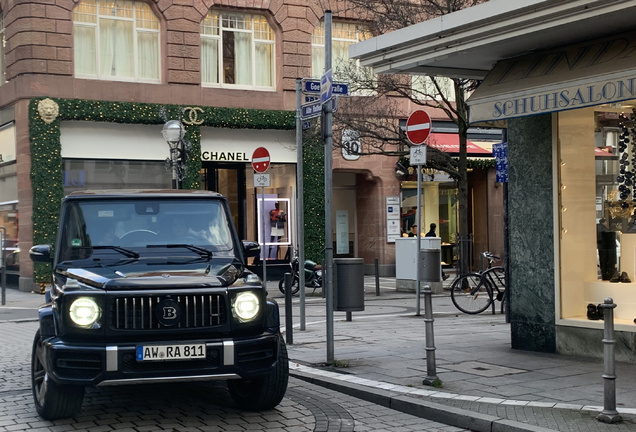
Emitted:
<point x="449" y="143"/>
<point x="604" y="152"/>
<point x="576" y="76"/>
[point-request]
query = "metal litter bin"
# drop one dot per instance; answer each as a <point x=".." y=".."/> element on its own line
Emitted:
<point x="348" y="284"/>
<point x="430" y="265"/>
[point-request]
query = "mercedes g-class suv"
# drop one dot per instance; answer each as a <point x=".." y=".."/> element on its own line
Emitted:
<point x="152" y="286"/>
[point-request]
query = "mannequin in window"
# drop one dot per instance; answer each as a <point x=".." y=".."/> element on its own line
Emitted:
<point x="277" y="219"/>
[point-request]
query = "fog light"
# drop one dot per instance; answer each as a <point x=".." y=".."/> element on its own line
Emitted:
<point x="246" y="306"/>
<point x="84" y="312"/>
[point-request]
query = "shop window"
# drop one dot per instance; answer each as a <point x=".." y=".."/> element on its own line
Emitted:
<point x="83" y="174"/>
<point x="237" y="51"/>
<point x="597" y="223"/>
<point x="116" y="40"/>
<point x="433" y="88"/>
<point x="342" y="36"/>
<point x="9" y="221"/>
<point x="2" y="50"/>
<point x="439" y="206"/>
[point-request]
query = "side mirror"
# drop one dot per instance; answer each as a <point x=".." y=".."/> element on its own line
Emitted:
<point x="41" y="253"/>
<point x="251" y="248"/>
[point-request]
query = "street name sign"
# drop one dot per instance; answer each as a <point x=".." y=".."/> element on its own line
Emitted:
<point x="313" y="87"/>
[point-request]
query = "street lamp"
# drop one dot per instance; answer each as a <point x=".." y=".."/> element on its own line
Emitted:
<point x="173" y="132"/>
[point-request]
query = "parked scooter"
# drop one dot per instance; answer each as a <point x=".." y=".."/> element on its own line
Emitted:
<point x="313" y="276"/>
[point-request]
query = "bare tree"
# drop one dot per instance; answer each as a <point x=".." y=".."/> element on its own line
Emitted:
<point x="376" y="116"/>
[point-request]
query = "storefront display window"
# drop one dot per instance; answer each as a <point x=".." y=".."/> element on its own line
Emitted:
<point x="439" y="206"/>
<point x="597" y="227"/>
<point x="277" y="233"/>
<point x="83" y="174"/>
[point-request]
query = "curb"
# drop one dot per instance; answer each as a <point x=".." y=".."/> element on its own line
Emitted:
<point x="429" y="410"/>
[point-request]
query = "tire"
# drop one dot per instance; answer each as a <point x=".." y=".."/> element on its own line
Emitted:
<point x="295" y="286"/>
<point x="470" y="294"/>
<point x="265" y="392"/>
<point x="52" y="401"/>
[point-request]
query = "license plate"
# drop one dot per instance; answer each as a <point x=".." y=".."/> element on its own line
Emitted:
<point x="170" y="352"/>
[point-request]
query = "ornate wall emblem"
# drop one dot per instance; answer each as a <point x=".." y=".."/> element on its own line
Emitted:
<point x="192" y="117"/>
<point x="48" y="110"/>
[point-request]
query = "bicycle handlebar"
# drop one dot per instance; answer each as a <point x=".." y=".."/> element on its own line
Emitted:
<point x="491" y="256"/>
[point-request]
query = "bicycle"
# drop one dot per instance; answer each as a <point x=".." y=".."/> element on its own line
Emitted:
<point x="473" y="293"/>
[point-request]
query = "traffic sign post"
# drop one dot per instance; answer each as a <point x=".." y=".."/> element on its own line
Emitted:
<point x="260" y="163"/>
<point x="418" y="127"/>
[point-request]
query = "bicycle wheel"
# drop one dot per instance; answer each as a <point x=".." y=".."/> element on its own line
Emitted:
<point x="471" y="294"/>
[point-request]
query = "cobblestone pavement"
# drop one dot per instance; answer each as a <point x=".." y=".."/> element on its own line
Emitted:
<point x="186" y="406"/>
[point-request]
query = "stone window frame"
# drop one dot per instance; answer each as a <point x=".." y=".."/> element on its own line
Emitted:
<point x="141" y="25"/>
<point x="256" y="24"/>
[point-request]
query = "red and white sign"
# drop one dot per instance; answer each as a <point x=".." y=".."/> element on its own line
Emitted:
<point x="418" y="127"/>
<point x="260" y="160"/>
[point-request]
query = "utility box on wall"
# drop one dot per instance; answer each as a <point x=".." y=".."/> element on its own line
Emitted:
<point x="406" y="263"/>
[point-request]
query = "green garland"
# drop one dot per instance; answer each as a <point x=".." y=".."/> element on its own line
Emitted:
<point x="314" y="197"/>
<point x="46" y="158"/>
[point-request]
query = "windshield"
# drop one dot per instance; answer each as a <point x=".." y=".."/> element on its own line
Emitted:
<point x="118" y="225"/>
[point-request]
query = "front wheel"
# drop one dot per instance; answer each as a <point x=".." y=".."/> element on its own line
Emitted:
<point x="263" y="393"/>
<point x="295" y="287"/>
<point x="471" y="294"/>
<point x="52" y="401"/>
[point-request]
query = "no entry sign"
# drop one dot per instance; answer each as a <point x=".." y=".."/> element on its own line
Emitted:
<point x="260" y="160"/>
<point x="418" y="127"/>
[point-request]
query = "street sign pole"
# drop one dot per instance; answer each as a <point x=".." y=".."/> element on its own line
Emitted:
<point x="260" y="163"/>
<point x="263" y="247"/>
<point x="299" y="201"/>
<point x="328" y="281"/>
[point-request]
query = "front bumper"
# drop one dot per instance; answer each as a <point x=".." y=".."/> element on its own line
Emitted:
<point x="116" y="364"/>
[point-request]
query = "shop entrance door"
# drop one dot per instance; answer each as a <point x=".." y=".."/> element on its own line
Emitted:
<point x="228" y="179"/>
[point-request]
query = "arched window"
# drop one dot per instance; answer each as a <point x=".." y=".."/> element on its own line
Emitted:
<point x="116" y="40"/>
<point x="342" y="35"/>
<point x="237" y="50"/>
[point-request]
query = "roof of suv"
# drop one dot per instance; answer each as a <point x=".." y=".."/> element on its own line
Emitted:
<point x="145" y="193"/>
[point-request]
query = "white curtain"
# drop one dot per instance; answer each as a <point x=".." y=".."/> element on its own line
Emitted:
<point x="209" y="60"/>
<point x="317" y="61"/>
<point x="264" y="66"/>
<point x="116" y="48"/>
<point x="243" y="58"/>
<point x="84" y="49"/>
<point x="148" y="55"/>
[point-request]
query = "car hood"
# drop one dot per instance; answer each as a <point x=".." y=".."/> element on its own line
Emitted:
<point x="139" y="277"/>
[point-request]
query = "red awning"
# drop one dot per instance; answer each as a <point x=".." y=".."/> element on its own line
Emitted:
<point x="603" y="152"/>
<point x="449" y="143"/>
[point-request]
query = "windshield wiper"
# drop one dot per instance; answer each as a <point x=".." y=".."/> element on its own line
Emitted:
<point x="204" y="253"/>
<point x="127" y="252"/>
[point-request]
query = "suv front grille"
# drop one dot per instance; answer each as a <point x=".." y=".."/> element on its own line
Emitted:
<point x="143" y="312"/>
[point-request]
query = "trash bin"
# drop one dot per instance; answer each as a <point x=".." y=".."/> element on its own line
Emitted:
<point x="430" y="265"/>
<point x="348" y="284"/>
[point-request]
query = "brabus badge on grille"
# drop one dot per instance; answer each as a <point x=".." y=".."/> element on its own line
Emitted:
<point x="168" y="312"/>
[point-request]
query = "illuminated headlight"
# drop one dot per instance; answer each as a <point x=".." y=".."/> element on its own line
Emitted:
<point x="246" y="306"/>
<point x="84" y="312"/>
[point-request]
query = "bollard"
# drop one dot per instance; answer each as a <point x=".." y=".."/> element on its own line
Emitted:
<point x="377" y="278"/>
<point x="431" y="373"/>
<point x="609" y="413"/>
<point x="289" y="331"/>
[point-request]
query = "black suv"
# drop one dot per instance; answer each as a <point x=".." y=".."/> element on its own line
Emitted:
<point x="152" y="286"/>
